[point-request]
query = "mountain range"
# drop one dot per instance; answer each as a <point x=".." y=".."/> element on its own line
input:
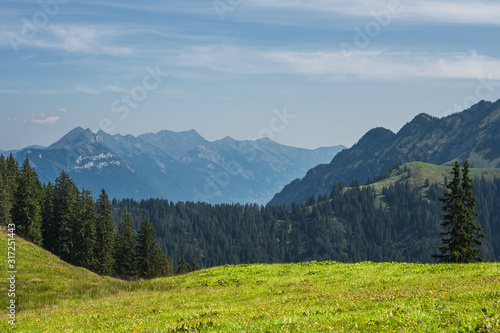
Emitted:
<point x="179" y="166"/>
<point x="472" y="134"/>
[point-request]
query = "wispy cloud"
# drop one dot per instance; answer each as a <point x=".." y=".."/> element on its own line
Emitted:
<point x="388" y="65"/>
<point x="46" y="121"/>
<point x="101" y="39"/>
<point x="42" y="119"/>
<point x="86" y="89"/>
<point x="363" y="65"/>
<point x="173" y="93"/>
<point x="473" y="12"/>
<point x="10" y="91"/>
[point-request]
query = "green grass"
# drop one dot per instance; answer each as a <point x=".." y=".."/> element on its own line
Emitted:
<point x="416" y="173"/>
<point x="309" y="297"/>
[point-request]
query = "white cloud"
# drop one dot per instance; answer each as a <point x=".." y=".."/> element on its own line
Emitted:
<point x="86" y="89"/>
<point x="42" y="119"/>
<point x="10" y="91"/>
<point x="73" y="38"/>
<point x="63" y="110"/>
<point x="173" y="93"/>
<point x="471" y="12"/>
<point x="46" y="121"/>
<point x="334" y="65"/>
<point x="116" y="89"/>
<point x="389" y="65"/>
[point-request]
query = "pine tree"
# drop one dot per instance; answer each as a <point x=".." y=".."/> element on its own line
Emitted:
<point x="163" y="264"/>
<point x="183" y="267"/>
<point x="84" y="233"/>
<point x="3" y="165"/>
<point x="5" y="199"/>
<point x="105" y="235"/>
<point x="194" y="266"/>
<point x="125" y="251"/>
<point x="5" y="204"/>
<point x="65" y="195"/>
<point x="11" y="176"/>
<point x="26" y="210"/>
<point x="152" y="262"/>
<point x="473" y="230"/>
<point x="461" y="232"/>
<point x="49" y="227"/>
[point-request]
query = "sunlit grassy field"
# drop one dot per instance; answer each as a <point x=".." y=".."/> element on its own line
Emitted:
<point x="52" y="296"/>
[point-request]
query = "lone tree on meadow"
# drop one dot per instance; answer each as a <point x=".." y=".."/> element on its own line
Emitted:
<point x="461" y="236"/>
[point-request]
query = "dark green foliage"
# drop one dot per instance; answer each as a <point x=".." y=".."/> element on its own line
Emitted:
<point x="5" y="203"/>
<point x="152" y="262"/>
<point x="182" y="266"/>
<point x="11" y="175"/>
<point x="49" y="227"/>
<point x="80" y="231"/>
<point x="105" y="235"/>
<point x="26" y="210"/>
<point x="194" y="266"/>
<point x="353" y="225"/>
<point x="125" y="249"/>
<point x="5" y="198"/>
<point x="65" y="196"/>
<point x="461" y="235"/>
<point x="163" y="264"/>
<point x="85" y="233"/>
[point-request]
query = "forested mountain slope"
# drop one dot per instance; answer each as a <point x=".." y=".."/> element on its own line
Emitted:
<point x="473" y="134"/>
<point x="395" y="219"/>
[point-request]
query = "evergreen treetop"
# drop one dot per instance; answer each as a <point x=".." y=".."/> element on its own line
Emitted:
<point x="461" y="235"/>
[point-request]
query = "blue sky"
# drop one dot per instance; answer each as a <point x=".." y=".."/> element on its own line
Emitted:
<point x="307" y="73"/>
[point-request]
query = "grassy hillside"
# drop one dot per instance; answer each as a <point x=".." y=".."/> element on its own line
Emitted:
<point x="418" y="172"/>
<point x="317" y="296"/>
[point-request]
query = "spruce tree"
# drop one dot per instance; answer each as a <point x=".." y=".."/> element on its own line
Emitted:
<point x="85" y="233"/>
<point x="105" y="235"/>
<point x="5" y="204"/>
<point x="5" y="199"/>
<point x="49" y="227"/>
<point x="65" y="197"/>
<point x="163" y="264"/>
<point x="461" y="233"/>
<point x="26" y="210"/>
<point x="125" y="251"/>
<point x="183" y="267"/>
<point x="194" y="266"/>
<point x="473" y="230"/>
<point x="3" y="165"/>
<point x="152" y="262"/>
<point x="12" y="174"/>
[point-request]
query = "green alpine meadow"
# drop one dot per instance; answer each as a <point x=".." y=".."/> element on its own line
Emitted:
<point x="249" y="166"/>
<point x="53" y="296"/>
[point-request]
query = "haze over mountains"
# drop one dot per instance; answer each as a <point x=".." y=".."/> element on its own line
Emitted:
<point x="473" y="134"/>
<point x="179" y="166"/>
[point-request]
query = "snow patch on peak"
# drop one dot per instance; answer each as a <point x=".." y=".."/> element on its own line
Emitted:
<point x="101" y="156"/>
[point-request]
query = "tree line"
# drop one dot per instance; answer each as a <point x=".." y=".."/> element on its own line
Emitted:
<point x="349" y="224"/>
<point x="79" y="229"/>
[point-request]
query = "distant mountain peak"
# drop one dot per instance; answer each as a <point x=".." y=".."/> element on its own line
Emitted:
<point x="472" y="134"/>
<point x="376" y="135"/>
<point x="75" y="137"/>
<point x="180" y="166"/>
